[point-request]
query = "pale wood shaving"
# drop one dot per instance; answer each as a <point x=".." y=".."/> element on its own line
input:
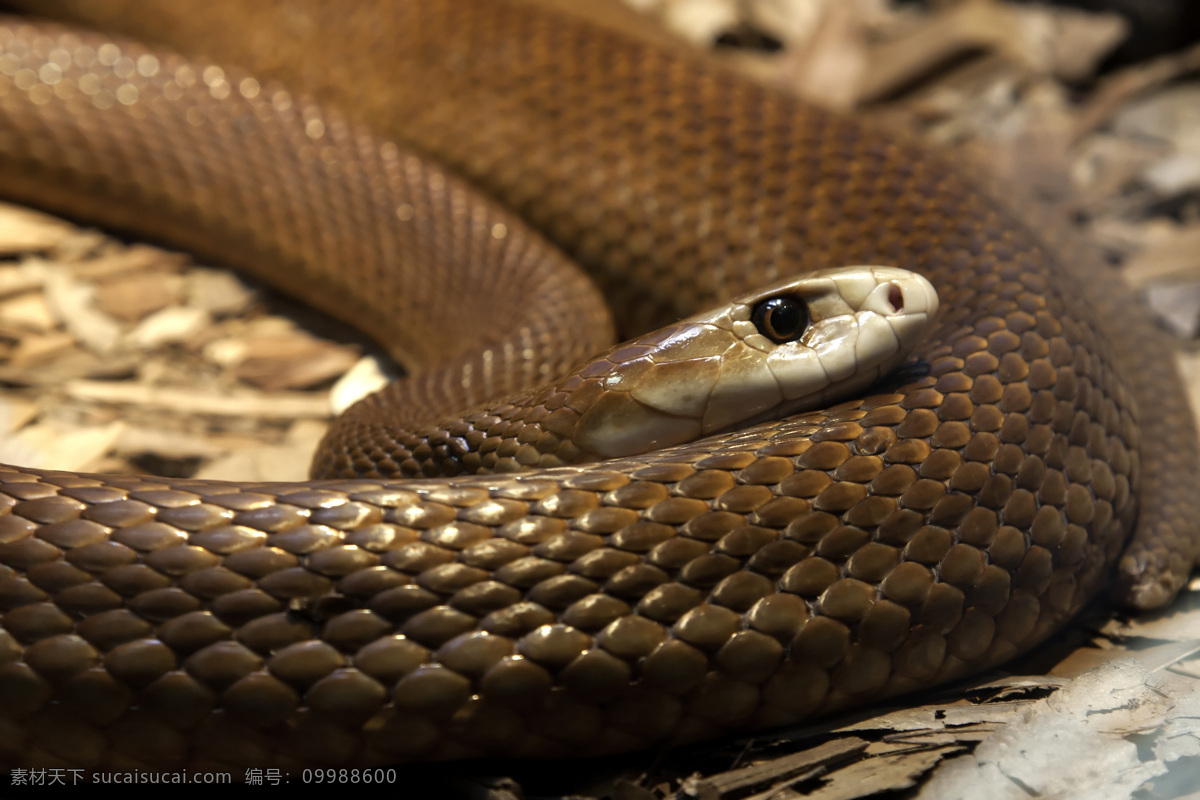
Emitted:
<point x="119" y="262"/>
<point x="28" y="311"/>
<point x="68" y="365"/>
<point x="72" y="303"/>
<point x="33" y="350"/>
<point x="369" y="374"/>
<point x="293" y="361"/>
<point x="700" y="21"/>
<point x="171" y="325"/>
<point x="70" y="448"/>
<point x="870" y="776"/>
<point x="27" y="276"/>
<point x="217" y="292"/>
<point x="845" y="53"/>
<point x="1189" y="368"/>
<point x="129" y="298"/>
<point x="286" y="462"/>
<point x="285" y="405"/>
<point x="772" y="773"/>
<point x="23" y="230"/>
<point x="15" y="413"/>
<point x="174" y="444"/>
<point x="1114" y="91"/>
<point x="1106" y="164"/>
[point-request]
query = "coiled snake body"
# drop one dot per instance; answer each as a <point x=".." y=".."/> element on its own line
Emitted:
<point x="745" y="580"/>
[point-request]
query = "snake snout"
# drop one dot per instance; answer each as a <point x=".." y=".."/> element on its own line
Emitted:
<point x="899" y="293"/>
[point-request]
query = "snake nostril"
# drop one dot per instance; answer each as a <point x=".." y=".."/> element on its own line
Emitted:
<point x="895" y="296"/>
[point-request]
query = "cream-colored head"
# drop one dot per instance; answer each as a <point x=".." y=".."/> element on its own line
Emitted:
<point x="790" y="347"/>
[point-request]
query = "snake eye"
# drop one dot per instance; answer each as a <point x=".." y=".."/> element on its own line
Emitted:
<point x="781" y="319"/>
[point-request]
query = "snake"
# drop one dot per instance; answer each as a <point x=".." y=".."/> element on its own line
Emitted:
<point x="913" y="533"/>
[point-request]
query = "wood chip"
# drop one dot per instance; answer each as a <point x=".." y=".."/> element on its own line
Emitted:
<point x="1189" y="370"/>
<point x="293" y="360"/>
<point x="1105" y="165"/>
<point x="173" y="444"/>
<point x="960" y="734"/>
<point x="1177" y="305"/>
<point x="1064" y="42"/>
<point x="67" y="365"/>
<point x="132" y="297"/>
<point x="1118" y="89"/>
<point x="1171" y="118"/>
<point x="841" y="67"/>
<point x="279" y="405"/>
<point x="700" y="21"/>
<point x="28" y="311"/>
<point x="219" y="292"/>
<point x="27" y="276"/>
<point x="368" y="375"/>
<point x="834" y="70"/>
<point x="23" y="230"/>
<point x="874" y="775"/>
<point x="735" y="783"/>
<point x="120" y="262"/>
<point x="287" y="462"/>
<point x="1073" y="744"/>
<point x="16" y="413"/>
<point x="172" y="325"/>
<point x="32" y="350"/>
<point x="60" y="447"/>
<point x="71" y="302"/>
<point x="316" y="366"/>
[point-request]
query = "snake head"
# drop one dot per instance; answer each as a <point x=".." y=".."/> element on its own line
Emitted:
<point x="790" y="347"/>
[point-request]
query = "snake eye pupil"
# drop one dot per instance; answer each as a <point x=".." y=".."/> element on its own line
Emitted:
<point x="781" y="319"/>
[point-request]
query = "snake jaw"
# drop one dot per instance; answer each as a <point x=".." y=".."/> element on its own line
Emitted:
<point x="617" y="425"/>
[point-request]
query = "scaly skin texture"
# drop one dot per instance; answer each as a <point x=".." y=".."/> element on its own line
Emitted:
<point x="704" y="375"/>
<point x="745" y="580"/>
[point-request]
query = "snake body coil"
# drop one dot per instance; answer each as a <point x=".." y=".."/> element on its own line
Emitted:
<point x="745" y="580"/>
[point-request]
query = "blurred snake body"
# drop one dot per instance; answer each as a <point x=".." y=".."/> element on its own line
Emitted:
<point x="742" y="580"/>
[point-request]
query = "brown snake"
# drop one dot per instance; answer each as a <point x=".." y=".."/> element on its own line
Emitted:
<point x="742" y="581"/>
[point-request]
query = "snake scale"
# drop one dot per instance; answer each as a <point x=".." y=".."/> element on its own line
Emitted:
<point x="741" y="581"/>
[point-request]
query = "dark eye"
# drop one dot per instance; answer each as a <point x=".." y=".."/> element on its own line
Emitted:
<point x="781" y="319"/>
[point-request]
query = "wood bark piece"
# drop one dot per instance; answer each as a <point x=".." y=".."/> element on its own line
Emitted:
<point x="219" y="292"/>
<point x="121" y="262"/>
<point x="872" y="776"/>
<point x="172" y="325"/>
<point x="16" y="414"/>
<point x="129" y="298"/>
<point x="27" y="276"/>
<point x="1076" y="743"/>
<point x="77" y="449"/>
<point x="72" y="303"/>
<point x="280" y="405"/>
<point x="369" y="374"/>
<point x="32" y="350"/>
<point x="285" y="462"/>
<point x="737" y="783"/>
<point x="28" y="311"/>
<point x="23" y="230"/>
